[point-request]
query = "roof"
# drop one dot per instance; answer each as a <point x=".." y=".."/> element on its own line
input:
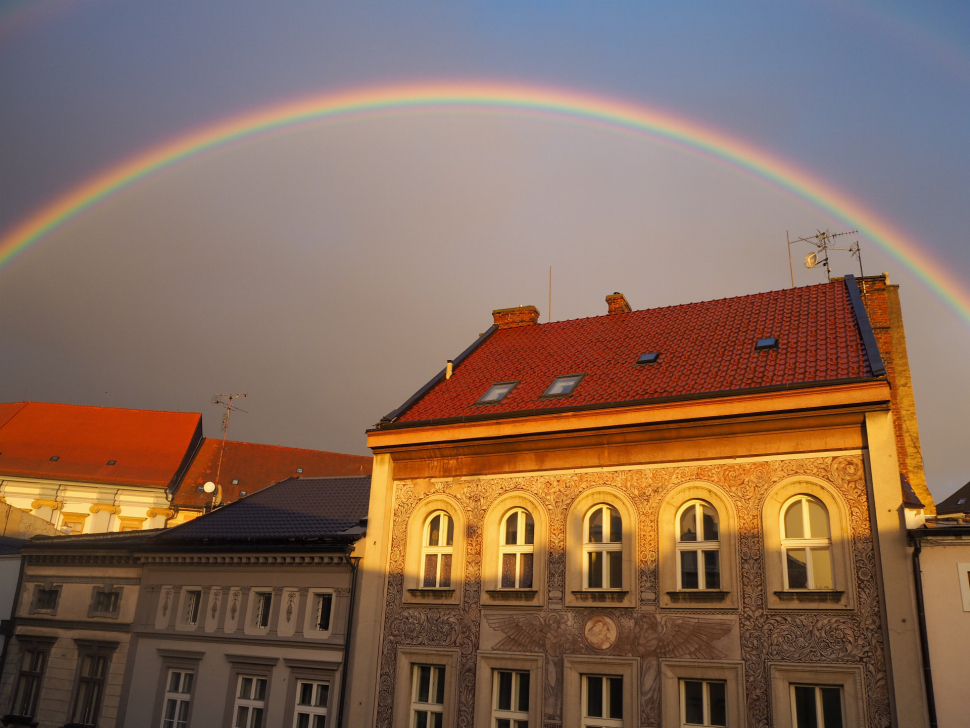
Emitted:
<point x="959" y="502"/>
<point x="910" y="499"/>
<point x="704" y="349"/>
<point x="297" y="508"/>
<point x="257" y="467"/>
<point x="148" y="447"/>
<point x="9" y="546"/>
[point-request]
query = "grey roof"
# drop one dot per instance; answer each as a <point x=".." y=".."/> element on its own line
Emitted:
<point x="325" y="509"/>
<point x="959" y="502"/>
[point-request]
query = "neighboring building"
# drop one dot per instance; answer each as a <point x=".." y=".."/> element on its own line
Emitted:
<point x="957" y="506"/>
<point x="687" y="515"/>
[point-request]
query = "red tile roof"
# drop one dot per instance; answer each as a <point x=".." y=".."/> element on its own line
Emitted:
<point x="704" y="348"/>
<point x="259" y="466"/>
<point x="148" y="447"/>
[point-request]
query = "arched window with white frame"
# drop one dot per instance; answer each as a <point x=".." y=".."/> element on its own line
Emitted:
<point x="517" y="549"/>
<point x="806" y="544"/>
<point x="438" y="547"/>
<point x="603" y="548"/>
<point x="698" y="547"/>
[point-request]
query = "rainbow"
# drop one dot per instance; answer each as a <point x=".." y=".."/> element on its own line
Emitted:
<point x="611" y="115"/>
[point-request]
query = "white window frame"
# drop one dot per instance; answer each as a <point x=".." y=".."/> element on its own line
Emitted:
<point x="179" y="696"/>
<point x="311" y="710"/>
<point x="806" y="544"/>
<point x="604" y="547"/>
<point x="514" y="713"/>
<point x="438" y="550"/>
<point x="698" y="546"/>
<point x="819" y="715"/>
<point x="438" y="677"/>
<point x="597" y="722"/>
<point x="250" y="703"/>
<point x="706" y="701"/>
<point x="518" y="549"/>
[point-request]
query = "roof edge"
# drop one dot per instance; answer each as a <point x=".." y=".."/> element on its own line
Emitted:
<point x="865" y="327"/>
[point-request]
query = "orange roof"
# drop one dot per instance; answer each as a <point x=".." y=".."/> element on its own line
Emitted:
<point x="148" y="448"/>
<point x="255" y="467"/>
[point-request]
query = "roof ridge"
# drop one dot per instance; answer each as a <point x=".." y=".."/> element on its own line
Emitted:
<point x="103" y="407"/>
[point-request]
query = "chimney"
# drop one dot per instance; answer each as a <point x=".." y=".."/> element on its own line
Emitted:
<point x="510" y="318"/>
<point x="617" y="303"/>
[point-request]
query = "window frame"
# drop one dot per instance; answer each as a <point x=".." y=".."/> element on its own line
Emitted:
<point x="481" y="401"/>
<point x="808" y="544"/>
<point x="414" y="592"/>
<point x="576" y="667"/>
<point x="181" y="620"/>
<point x="697" y="546"/>
<point x="493" y="531"/>
<point x="518" y="550"/>
<point x="438" y="550"/>
<point x="488" y="663"/>
<point x="97" y="592"/>
<point x="180" y="660"/>
<point x="310" y="628"/>
<point x="246" y="665"/>
<point x="407" y="658"/>
<point x="730" y="672"/>
<point x="311" y="671"/>
<point x="601" y="721"/>
<point x="168" y="695"/>
<point x="47" y="586"/>
<point x="705" y="700"/>
<point x="251" y="703"/>
<point x="254" y="610"/>
<point x="576" y="519"/>
<point x="94" y="650"/>
<point x="438" y="675"/>
<point x="35" y="646"/>
<point x="819" y="708"/>
<point x="604" y="547"/>
<point x="579" y="380"/>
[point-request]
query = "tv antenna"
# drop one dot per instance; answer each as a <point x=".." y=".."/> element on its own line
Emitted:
<point x="822" y="240"/>
<point x="226" y="401"/>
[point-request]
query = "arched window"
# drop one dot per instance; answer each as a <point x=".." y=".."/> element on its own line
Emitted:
<point x="807" y="544"/>
<point x="698" y="547"/>
<point x="603" y="548"/>
<point x="437" y="549"/>
<point x="516" y="552"/>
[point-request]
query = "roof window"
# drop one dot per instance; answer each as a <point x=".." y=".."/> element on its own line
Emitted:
<point x="961" y="501"/>
<point x="650" y="357"/>
<point x="55" y="458"/>
<point x="563" y="386"/>
<point x="112" y="462"/>
<point x="243" y="492"/>
<point x="769" y="342"/>
<point x="200" y="489"/>
<point x="496" y="393"/>
<point x="235" y="481"/>
<point x="299" y="470"/>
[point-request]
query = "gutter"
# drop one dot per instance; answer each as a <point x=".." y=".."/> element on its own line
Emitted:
<point x="355" y="565"/>
<point x="924" y="642"/>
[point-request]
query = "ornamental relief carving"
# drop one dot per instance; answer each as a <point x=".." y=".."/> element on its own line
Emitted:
<point x="851" y="636"/>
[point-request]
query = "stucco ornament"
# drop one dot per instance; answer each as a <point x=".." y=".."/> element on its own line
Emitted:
<point x="600" y="632"/>
<point x="290" y="600"/>
<point x="216" y="598"/>
<point x="234" y="605"/>
<point x="166" y="600"/>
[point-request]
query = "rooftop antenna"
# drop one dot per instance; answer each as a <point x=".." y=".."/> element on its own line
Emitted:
<point x="822" y="240"/>
<point x="226" y="401"/>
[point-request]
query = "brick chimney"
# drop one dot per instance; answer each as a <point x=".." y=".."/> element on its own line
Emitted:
<point x="510" y="318"/>
<point x="617" y="303"/>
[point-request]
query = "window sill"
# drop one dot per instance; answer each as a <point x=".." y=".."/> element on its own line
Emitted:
<point x="512" y="595"/>
<point x="432" y="593"/>
<point x="808" y="595"/>
<point x="698" y="595"/>
<point x="18" y="720"/>
<point x="603" y="596"/>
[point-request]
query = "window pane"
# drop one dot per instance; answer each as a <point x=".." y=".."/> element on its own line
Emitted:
<point x="710" y="523"/>
<point x="616" y="569"/>
<point x="440" y="682"/>
<point x="245" y="688"/>
<point x="818" y="520"/>
<point x="505" y="691"/>
<point x="693" y="702"/>
<point x="595" y="570"/>
<point x="445" y="580"/>
<point x="259" y="689"/>
<point x="794" y="527"/>
<point x="596" y="526"/>
<point x="805" y="716"/>
<point x="174" y="681"/>
<point x="525" y="577"/>
<point x="508" y="571"/>
<point x="324" y="609"/>
<point x="434" y="531"/>
<point x="183" y="712"/>
<point x="512" y="529"/>
<point x="430" y="570"/>
<point x="437" y="720"/>
<point x="319" y="721"/>
<point x="187" y="682"/>
<point x="822" y="568"/>
<point x="594" y="696"/>
<point x="523" y="704"/>
<point x="303" y="720"/>
<point x="712" y="570"/>
<point x="451" y="531"/>
<point x="530" y="528"/>
<point x="424" y="684"/>
<point x="688" y="570"/>
<point x="323" y="694"/>
<point x="306" y="694"/>
<point x="422" y="720"/>
<point x="616" y="697"/>
<point x="242" y="716"/>
<point x="521" y="724"/>
<point x="718" y="703"/>
<point x="616" y="526"/>
<point x="257" y="718"/>
<point x="832" y="707"/>
<point x="797" y="569"/>
<point x="503" y="723"/>
<point x="688" y="524"/>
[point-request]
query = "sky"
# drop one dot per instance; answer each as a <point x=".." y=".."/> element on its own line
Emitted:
<point x="329" y="269"/>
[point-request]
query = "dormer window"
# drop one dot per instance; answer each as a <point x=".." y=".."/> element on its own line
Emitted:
<point x="496" y="393"/>
<point x="769" y="342"/>
<point x="563" y="386"/>
<point x="650" y="357"/>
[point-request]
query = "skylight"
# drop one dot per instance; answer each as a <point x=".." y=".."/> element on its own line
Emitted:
<point x="769" y="342"/>
<point x="496" y="393"/>
<point x="299" y="470"/>
<point x="112" y="462"/>
<point x="55" y="458"/>
<point x="563" y="385"/>
<point x="235" y="481"/>
<point x="650" y="357"/>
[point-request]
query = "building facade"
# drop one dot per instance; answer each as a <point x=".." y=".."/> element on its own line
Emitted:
<point x="685" y="516"/>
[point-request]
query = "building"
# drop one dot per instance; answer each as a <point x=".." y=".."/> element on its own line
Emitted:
<point x="686" y="515"/>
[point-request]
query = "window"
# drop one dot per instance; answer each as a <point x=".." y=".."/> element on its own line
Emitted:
<point x="806" y="544"/>
<point x="90" y="686"/>
<point x="105" y="601"/>
<point x="55" y="458"/>
<point x="112" y="462"/>
<point x="698" y="547"/>
<point x="510" y="699"/>
<point x="428" y="696"/>
<point x="311" y="704"/>
<point x="769" y="342"/>
<point x="516" y="552"/>
<point x="817" y="706"/>
<point x="33" y="659"/>
<point x="650" y="357"/>
<point x="45" y="599"/>
<point x="262" y="604"/>
<point x="250" y="702"/>
<point x="703" y="703"/>
<point x="235" y="481"/>
<point x="439" y="542"/>
<point x="73" y="523"/>
<point x="603" y="548"/>
<point x="130" y="524"/>
<point x="178" y="697"/>
<point x="322" y="609"/>
<point x="299" y="470"/>
<point x="602" y="701"/>
<point x="496" y="393"/>
<point x="190" y="613"/>
<point x="563" y="386"/>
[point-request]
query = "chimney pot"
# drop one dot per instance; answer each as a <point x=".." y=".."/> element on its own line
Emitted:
<point x="449" y="368"/>
<point x="617" y="303"/>
<point x="510" y="318"/>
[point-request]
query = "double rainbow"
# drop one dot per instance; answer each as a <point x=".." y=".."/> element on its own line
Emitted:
<point x="613" y="116"/>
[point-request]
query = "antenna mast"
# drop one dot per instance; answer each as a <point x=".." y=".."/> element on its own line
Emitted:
<point x="823" y="243"/>
<point x="226" y="401"/>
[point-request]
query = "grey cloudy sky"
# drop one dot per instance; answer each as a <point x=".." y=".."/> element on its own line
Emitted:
<point x="330" y="270"/>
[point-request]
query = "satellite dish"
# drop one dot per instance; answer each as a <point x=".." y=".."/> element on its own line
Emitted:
<point x="811" y="260"/>
<point x="209" y="487"/>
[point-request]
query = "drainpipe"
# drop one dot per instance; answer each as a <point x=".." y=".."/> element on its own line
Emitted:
<point x="924" y="642"/>
<point x="354" y="564"/>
